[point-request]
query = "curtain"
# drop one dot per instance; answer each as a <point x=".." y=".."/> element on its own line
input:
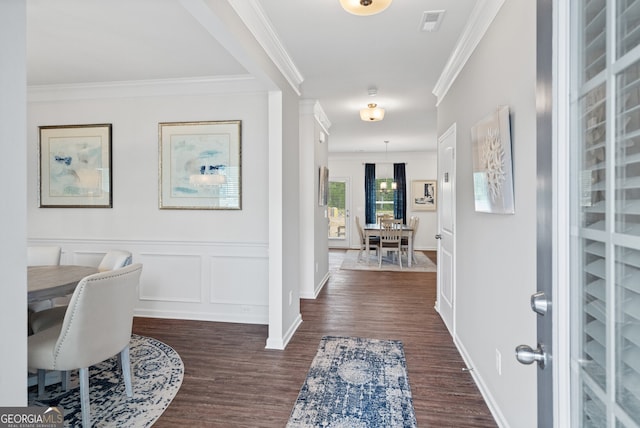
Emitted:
<point x="370" y="192"/>
<point x="400" y="195"/>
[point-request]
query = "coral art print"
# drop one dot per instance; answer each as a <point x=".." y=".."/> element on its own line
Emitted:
<point x="492" y="164"/>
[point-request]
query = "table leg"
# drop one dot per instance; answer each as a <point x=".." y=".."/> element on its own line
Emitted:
<point x="410" y="254"/>
<point x="366" y="248"/>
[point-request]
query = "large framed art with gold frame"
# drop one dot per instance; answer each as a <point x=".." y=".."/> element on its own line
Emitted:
<point x="75" y="166"/>
<point x="200" y="165"/>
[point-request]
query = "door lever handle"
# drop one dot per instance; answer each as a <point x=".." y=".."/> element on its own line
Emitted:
<point x="438" y="236"/>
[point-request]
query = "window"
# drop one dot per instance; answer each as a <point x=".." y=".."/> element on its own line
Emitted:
<point x="384" y="198"/>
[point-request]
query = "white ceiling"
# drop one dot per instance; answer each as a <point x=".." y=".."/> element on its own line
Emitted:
<point x="339" y="55"/>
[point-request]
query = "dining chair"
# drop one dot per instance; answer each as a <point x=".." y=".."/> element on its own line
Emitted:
<point x="414" y="221"/>
<point x="45" y="255"/>
<point x="96" y="326"/>
<point x="113" y="259"/>
<point x="390" y="239"/>
<point x="373" y="240"/>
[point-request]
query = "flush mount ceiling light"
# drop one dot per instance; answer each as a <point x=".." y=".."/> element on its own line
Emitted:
<point x="372" y="113"/>
<point x="365" y="7"/>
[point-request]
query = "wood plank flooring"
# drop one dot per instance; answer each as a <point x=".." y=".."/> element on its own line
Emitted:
<point x="231" y="380"/>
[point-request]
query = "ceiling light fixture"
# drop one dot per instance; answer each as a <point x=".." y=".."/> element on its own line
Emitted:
<point x="372" y="113"/>
<point x="365" y="7"/>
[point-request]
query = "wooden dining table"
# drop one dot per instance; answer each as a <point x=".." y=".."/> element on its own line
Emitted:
<point x="47" y="282"/>
<point x="373" y="229"/>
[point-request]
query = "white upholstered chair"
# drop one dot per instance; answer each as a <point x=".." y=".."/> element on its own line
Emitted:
<point x="96" y="326"/>
<point x="390" y="239"/>
<point x="46" y="255"/>
<point x="113" y="259"/>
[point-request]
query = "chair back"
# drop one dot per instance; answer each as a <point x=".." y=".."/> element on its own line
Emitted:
<point x="115" y="259"/>
<point x="98" y="322"/>
<point x="416" y="223"/>
<point x="390" y="231"/>
<point x="43" y="255"/>
<point x="359" y="227"/>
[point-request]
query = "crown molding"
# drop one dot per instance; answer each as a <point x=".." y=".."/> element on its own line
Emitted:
<point x="479" y="21"/>
<point x="145" y="88"/>
<point x="256" y="20"/>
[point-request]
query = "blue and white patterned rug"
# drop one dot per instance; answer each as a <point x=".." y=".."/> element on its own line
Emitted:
<point x="356" y="383"/>
<point x="157" y="372"/>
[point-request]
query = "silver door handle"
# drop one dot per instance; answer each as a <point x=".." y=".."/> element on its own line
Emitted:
<point x="527" y="355"/>
<point x="438" y="236"/>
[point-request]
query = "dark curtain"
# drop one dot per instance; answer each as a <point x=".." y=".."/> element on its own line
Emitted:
<point x="400" y="195"/>
<point x="370" y="192"/>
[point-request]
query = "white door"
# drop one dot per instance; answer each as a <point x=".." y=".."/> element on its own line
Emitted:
<point x="445" y="303"/>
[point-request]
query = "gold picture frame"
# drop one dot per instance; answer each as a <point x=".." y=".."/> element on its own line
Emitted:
<point x="201" y="165"/>
<point x="75" y="166"/>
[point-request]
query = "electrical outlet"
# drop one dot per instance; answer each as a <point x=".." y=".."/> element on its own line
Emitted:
<point x="290" y="297"/>
<point x="499" y="362"/>
<point x="316" y="267"/>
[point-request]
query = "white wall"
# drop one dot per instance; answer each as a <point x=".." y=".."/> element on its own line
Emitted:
<point x="419" y="166"/>
<point x="314" y="241"/>
<point x="13" y="251"/>
<point x="198" y="264"/>
<point x="496" y="254"/>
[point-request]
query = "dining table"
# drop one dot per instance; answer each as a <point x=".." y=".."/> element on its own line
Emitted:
<point x="47" y="282"/>
<point x="373" y="229"/>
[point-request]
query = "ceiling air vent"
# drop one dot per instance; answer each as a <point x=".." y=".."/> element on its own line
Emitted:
<point x="431" y="20"/>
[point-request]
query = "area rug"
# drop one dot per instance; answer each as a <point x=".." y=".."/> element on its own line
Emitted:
<point x="157" y="372"/>
<point x="351" y="262"/>
<point x="355" y="382"/>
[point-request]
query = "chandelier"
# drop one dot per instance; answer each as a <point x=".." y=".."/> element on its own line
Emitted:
<point x="383" y="184"/>
<point x="365" y="7"/>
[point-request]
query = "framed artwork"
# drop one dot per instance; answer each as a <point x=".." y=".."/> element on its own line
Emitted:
<point x="492" y="164"/>
<point x="323" y="186"/>
<point x="200" y="165"/>
<point x="75" y="166"/>
<point x="423" y="195"/>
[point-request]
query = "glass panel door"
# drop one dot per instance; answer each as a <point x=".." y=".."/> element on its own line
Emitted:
<point x="605" y="288"/>
<point x="338" y="213"/>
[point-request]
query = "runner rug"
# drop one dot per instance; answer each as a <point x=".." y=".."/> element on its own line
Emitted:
<point x="157" y="372"/>
<point x="356" y="383"/>
<point x="352" y="262"/>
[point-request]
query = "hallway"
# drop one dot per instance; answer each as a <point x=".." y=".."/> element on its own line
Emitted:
<point x="232" y="381"/>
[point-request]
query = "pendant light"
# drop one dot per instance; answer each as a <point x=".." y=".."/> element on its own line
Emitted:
<point x="383" y="184"/>
<point x="365" y="7"/>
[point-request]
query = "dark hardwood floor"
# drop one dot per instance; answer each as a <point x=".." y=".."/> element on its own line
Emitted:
<point x="231" y="380"/>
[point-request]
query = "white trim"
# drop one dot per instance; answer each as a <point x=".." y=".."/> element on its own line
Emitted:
<point x="485" y="390"/>
<point x="479" y="21"/>
<point x="561" y="200"/>
<point x="321" y="117"/>
<point x="256" y="20"/>
<point x="146" y="88"/>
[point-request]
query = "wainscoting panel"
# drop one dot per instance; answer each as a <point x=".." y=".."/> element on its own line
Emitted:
<point x="171" y="277"/>
<point x="210" y="281"/>
<point x="233" y="280"/>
